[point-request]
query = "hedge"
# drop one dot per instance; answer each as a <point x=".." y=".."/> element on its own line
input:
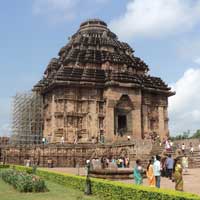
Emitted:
<point x="4" y="166"/>
<point x="110" y="190"/>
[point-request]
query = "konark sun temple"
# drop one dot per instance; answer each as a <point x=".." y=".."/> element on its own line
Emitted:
<point x="97" y="100"/>
<point x="97" y="90"/>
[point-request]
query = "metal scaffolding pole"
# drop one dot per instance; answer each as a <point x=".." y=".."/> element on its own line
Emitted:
<point x="27" y="118"/>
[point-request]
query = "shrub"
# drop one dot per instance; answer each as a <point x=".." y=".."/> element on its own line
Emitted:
<point x="22" y="181"/>
<point x="110" y="190"/>
<point x="4" y="166"/>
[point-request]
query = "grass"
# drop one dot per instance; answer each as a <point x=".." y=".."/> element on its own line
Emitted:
<point x="56" y="192"/>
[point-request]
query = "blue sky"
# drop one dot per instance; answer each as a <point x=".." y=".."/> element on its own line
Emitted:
<point x="164" y="33"/>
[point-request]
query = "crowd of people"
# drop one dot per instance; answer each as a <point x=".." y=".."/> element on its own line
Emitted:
<point x="120" y="162"/>
<point x="171" y="168"/>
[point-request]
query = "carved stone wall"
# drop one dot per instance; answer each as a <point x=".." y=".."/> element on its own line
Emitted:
<point x="71" y="155"/>
<point x="75" y="113"/>
<point x="155" y="115"/>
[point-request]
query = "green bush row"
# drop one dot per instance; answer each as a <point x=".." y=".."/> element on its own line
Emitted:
<point x="22" y="181"/>
<point x="4" y="166"/>
<point x="110" y="190"/>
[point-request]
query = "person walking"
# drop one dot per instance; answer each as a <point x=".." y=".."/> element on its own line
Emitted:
<point x="137" y="173"/>
<point x="157" y="170"/>
<point x="199" y="148"/>
<point x="149" y="173"/>
<point x="185" y="163"/>
<point x="191" y="148"/>
<point x="177" y="172"/>
<point x="169" y="166"/>
<point x="183" y="148"/>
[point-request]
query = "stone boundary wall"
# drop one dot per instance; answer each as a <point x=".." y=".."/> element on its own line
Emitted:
<point x="71" y="155"/>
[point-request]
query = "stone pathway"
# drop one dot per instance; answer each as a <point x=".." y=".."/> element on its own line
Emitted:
<point x="191" y="182"/>
<point x="191" y="179"/>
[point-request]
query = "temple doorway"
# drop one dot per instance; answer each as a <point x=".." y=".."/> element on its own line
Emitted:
<point x="123" y="116"/>
<point x="122" y="122"/>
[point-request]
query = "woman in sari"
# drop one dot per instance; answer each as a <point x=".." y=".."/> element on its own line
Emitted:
<point x="149" y="173"/>
<point x="177" y="172"/>
<point x="137" y="173"/>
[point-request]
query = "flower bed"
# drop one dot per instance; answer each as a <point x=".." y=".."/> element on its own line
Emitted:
<point x="22" y="181"/>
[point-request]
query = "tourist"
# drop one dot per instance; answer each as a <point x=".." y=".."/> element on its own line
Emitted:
<point x="62" y="140"/>
<point x="163" y="166"/>
<point x="150" y="174"/>
<point x="28" y="162"/>
<point x="199" y="148"/>
<point x="191" y="148"/>
<point x="113" y="160"/>
<point x="169" y="166"/>
<point x="127" y="162"/>
<point x="185" y="163"/>
<point x="157" y="170"/>
<point x="118" y="163"/>
<point x="171" y="143"/>
<point x="183" y="148"/>
<point x="167" y="145"/>
<point x="137" y="173"/>
<point x="177" y="172"/>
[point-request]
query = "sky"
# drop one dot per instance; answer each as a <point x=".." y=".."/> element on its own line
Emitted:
<point x="164" y="33"/>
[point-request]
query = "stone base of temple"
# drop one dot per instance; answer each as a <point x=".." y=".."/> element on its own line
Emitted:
<point x="72" y="155"/>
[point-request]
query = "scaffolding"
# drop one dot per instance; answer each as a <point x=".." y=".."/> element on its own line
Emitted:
<point x="27" y="118"/>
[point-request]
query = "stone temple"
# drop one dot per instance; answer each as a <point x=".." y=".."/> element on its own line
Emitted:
<point x="96" y="90"/>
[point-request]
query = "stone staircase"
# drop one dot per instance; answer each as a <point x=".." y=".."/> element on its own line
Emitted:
<point x="194" y="159"/>
<point x="156" y="150"/>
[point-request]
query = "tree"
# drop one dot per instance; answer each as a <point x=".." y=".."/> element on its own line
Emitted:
<point x="197" y="134"/>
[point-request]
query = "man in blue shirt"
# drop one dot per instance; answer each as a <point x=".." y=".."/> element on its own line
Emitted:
<point x="169" y="166"/>
<point x="157" y="170"/>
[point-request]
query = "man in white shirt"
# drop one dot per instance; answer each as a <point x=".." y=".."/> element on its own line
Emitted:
<point x="157" y="170"/>
<point x="183" y="148"/>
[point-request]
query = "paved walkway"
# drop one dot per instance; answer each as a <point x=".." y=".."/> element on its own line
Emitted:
<point x="191" y="182"/>
<point x="191" y="179"/>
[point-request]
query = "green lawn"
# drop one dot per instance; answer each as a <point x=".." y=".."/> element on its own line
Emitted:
<point x="57" y="192"/>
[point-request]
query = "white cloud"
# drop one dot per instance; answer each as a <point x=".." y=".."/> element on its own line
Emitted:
<point x="184" y="107"/>
<point x="157" y="18"/>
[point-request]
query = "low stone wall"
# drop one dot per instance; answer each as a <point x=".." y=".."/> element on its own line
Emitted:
<point x="112" y="174"/>
<point x="195" y="143"/>
<point x="71" y="155"/>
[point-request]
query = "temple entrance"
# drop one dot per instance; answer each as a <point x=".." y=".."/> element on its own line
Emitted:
<point x="122" y="123"/>
<point x="123" y="116"/>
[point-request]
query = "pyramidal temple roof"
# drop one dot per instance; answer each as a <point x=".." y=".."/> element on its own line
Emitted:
<point x="94" y="56"/>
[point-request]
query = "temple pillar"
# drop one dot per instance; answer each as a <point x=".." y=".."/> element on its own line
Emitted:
<point x="145" y="126"/>
<point x="53" y="122"/>
<point x="136" y="128"/>
<point x="110" y="124"/>
<point x="161" y="125"/>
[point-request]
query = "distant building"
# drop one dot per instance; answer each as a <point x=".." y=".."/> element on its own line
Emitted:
<point x="98" y="90"/>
